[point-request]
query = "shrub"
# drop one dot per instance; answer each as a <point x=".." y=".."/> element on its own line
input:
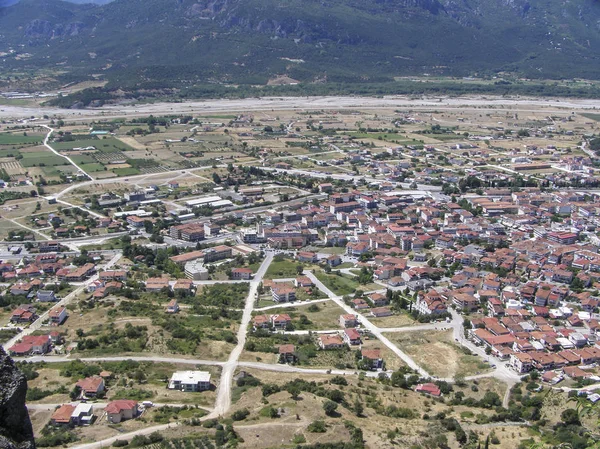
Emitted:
<point x="317" y="427"/>
<point x="240" y="415"/>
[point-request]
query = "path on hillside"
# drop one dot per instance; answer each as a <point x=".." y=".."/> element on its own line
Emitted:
<point x="223" y="401"/>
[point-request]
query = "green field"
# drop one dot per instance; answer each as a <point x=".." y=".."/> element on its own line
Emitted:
<point x="83" y="159"/>
<point x="39" y="158"/>
<point x="282" y="269"/>
<point x="125" y="171"/>
<point x="592" y="116"/>
<point x="6" y="152"/>
<point x="52" y="172"/>
<point x="340" y="285"/>
<point x="108" y="145"/>
<point x="93" y="167"/>
<point x="19" y="139"/>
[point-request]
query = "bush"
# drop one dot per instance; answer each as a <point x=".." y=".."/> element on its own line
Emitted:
<point x="317" y="427"/>
<point x="330" y="407"/>
<point x="240" y="415"/>
<point x="120" y="443"/>
<point x="339" y="380"/>
<point x="269" y="412"/>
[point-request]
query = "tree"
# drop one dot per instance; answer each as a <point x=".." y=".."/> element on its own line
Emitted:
<point x="216" y="178"/>
<point x="294" y="391"/>
<point x="570" y="416"/>
<point x="299" y="269"/>
<point x="330" y="407"/>
<point x="358" y="408"/>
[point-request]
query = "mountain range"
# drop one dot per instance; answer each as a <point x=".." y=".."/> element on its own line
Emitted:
<point x="186" y="42"/>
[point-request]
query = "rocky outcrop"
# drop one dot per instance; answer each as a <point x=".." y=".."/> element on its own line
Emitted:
<point x="15" y="427"/>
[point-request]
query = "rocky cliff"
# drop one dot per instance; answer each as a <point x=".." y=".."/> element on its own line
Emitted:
<point x="15" y="427"/>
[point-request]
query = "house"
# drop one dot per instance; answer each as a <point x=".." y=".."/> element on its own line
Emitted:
<point x="307" y="257"/>
<point x="21" y="288"/>
<point x="428" y="388"/>
<point x="243" y="274"/>
<point x="465" y="302"/>
<point x="333" y="260"/>
<point x="157" y="284"/>
<point x="304" y="282"/>
<point x="331" y="342"/>
<point x="372" y="358"/>
<point x="183" y="285"/>
<point x="91" y="386"/>
<point x="283" y="293"/>
<point x="83" y="414"/>
<point x="23" y="315"/>
<point x="120" y="410"/>
<point x="348" y="320"/>
<point x="113" y="275"/>
<point x="379" y="312"/>
<point x="359" y="304"/>
<point x="62" y="415"/>
<point x="287" y="354"/>
<point x="351" y="336"/>
<point x="378" y="299"/>
<point x="190" y="381"/>
<point x="45" y="296"/>
<point x="58" y="316"/>
<point x="31" y="344"/>
<point x="521" y="362"/>
<point x="173" y="306"/>
<point x="280" y="321"/>
<point x="261" y="322"/>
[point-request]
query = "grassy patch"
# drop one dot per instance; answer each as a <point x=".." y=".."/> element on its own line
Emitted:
<point x="108" y="145"/>
<point x="41" y="158"/>
<point x="19" y="139"/>
<point x="591" y="116"/>
<point x="93" y="167"/>
<point x="83" y="159"/>
<point x="340" y="285"/>
<point x="282" y="269"/>
<point x="125" y="171"/>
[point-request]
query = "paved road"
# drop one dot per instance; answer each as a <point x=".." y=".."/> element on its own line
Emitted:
<point x="292" y="304"/>
<point x="104" y="404"/>
<point x="368" y="325"/>
<point x="37" y="324"/>
<point x="420" y="327"/>
<point x="154" y="359"/>
<point x="223" y="401"/>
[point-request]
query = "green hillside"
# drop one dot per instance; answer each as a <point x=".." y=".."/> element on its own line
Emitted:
<point x="175" y="43"/>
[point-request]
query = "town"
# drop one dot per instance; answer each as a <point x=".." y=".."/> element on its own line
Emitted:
<point x="406" y="266"/>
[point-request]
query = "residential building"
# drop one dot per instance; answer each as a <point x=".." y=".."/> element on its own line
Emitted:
<point x="348" y="320"/>
<point x="287" y="354"/>
<point x="243" y="274"/>
<point x="331" y="342"/>
<point x="121" y="410"/>
<point x="190" y="381"/>
<point x="91" y="386"/>
<point x="372" y="358"/>
<point x="283" y="293"/>
<point x="58" y="315"/>
<point x="351" y="336"/>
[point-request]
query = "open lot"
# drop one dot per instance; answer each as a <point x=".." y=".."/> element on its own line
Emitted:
<point x="437" y="353"/>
